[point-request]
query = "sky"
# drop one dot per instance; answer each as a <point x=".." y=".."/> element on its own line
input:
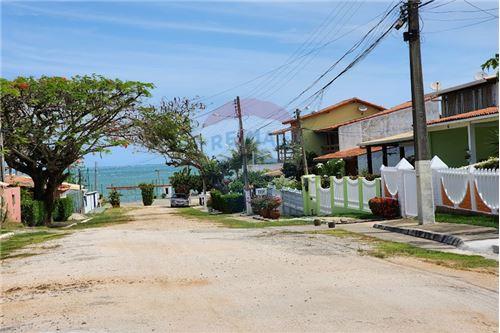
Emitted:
<point x="207" y="48"/>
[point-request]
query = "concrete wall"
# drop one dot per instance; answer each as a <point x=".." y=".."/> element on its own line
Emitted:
<point x="11" y="201"/>
<point x="315" y="141"/>
<point x="382" y="126"/>
<point x="486" y="140"/>
<point x="450" y="145"/>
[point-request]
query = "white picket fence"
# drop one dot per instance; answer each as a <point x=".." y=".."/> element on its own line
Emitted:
<point x="343" y="193"/>
<point x="456" y="188"/>
<point x="292" y="202"/>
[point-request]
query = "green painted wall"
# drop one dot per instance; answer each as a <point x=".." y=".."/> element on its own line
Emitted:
<point x="486" y="140"/>
<point x="450" y="145"/>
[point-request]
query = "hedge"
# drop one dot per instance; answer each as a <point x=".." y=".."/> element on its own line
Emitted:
<point x="227" y="203"/>
<point x="32" y="212"/>
<point x="63" y="209"/>
<point x="147" y="192"/>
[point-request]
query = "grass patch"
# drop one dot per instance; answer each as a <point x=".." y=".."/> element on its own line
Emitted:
<point x="21" y="240"/>
<point x="231" y="222"/>
<point x="386" y="249"/>
<point x="479" y="220"/>
<point x="110" y="216"/>
<point x="346" y="212"/>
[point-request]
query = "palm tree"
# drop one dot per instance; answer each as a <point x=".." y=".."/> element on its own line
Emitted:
<point x="253" y="152"/>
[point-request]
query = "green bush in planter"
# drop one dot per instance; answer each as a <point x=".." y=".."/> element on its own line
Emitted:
<point x="63" y="209"/>
<point x="147" y="192"/>
<point x="114" y="198"/>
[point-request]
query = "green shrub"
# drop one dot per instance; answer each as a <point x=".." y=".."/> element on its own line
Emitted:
<point x="114" y="198"/>
<point x="227" y="203"/>
<point x="147" y="192"/>
<point x="282" y="181"/>
<point x="63" y="209"/>
<point x="32" y="212"/>
<point x="236" y="186"/>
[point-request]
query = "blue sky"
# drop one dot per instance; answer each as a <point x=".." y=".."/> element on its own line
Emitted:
<point x="199" y="48"/>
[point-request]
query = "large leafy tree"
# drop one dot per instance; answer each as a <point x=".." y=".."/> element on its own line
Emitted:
<point x="170" y="130"/>
<point x="51" y="122"/>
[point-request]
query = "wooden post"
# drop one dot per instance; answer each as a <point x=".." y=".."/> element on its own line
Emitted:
<point x="401" y="152"/>
<point x="369" y="159"/>
<point x="384" y="155"/>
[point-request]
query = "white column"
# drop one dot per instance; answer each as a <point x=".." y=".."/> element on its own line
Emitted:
<point x="471" y="140"/>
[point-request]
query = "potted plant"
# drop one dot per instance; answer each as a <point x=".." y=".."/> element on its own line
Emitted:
<point x="272" y="205"/>
<point x="114" y="198"/>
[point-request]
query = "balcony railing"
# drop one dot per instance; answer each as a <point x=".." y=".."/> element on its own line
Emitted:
<point x="330" y="148"/>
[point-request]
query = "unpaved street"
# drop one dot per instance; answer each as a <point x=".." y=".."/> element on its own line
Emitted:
<point x="164" y="273"/>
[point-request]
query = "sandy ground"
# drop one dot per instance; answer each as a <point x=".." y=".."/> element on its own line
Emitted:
<point x="164" y="273"/>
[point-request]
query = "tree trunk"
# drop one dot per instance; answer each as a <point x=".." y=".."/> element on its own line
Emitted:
<point x="49" y="202"/>
<point x="50" y="195"/>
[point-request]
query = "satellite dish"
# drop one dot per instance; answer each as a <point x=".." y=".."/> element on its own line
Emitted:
<point x="480" y="75"/>
<point x="436" y="85"/>
<point x="362" y="108"/>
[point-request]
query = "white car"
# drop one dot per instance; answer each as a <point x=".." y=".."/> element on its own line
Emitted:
<point x="179" y="200"/>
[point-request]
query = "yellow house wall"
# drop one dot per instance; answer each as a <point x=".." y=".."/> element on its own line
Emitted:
<point x="314" y="141"/>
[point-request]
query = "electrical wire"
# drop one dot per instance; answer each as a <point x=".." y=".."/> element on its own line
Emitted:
<point x="479" y="8"/>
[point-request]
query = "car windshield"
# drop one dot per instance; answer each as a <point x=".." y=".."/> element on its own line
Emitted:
<point x="179" y="195"/>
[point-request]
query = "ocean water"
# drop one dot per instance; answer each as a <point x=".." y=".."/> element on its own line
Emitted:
<point x="126" y="176"/>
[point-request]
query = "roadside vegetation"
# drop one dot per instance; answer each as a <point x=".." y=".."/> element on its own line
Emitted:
<point x="230" y="221"/>
<point x="25" y="236"/>
<point x="109" y="217"/>
<point x="21" y="240"/>
<point x="387" y="249"/>
<point x="479" y="220"/>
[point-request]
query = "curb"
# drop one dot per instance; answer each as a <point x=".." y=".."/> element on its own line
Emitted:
<point x="435" y="236"/>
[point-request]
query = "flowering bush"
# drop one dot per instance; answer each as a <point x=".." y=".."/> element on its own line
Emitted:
<point x="384" y="207"/>
<point x="262" y="205"/>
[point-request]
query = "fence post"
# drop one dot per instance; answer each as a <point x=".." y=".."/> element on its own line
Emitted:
<point x="360" y="192"/>
<point x="305" y="194"/>
<point x="332" y="194"/>
<point x="346" y="201"/>
<point x="318" y="195"/>
<point x="472" y="188"/>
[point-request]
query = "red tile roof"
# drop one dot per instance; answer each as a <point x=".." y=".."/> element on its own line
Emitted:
<point x="25" y="181"/>
<point x="336" y="106"/>
<point x="467" y="115"/>
<point x="381" y="113"/>
<point x="353" y="152"/>
<point x="281" y="131"/>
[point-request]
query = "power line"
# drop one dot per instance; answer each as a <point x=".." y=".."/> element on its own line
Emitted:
<point x="461" y="27"/>
<point x="479" y="8"/>
<point x="352" y="49"/>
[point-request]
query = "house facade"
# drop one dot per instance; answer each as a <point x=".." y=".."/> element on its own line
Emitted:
<point x="10" y="202"/>
<point x="393" y="121"/>
<point x="316" y="141"/>
<point x="466" y="131"/>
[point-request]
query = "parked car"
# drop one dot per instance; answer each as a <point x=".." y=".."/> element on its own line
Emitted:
<point x="179" y="200"/>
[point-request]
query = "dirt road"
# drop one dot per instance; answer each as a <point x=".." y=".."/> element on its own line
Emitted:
<point x="163" y="273"/>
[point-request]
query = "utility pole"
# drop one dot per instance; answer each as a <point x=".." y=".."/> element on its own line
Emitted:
<point x="301" y="135"/>
<point x="157" y="190"/>
<point x="95" y="176"/>
<point x="82" y="201"/>
<point x="203" y="183"/>
<point x="425" y="198"/>
<point x="243" y="151"/>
